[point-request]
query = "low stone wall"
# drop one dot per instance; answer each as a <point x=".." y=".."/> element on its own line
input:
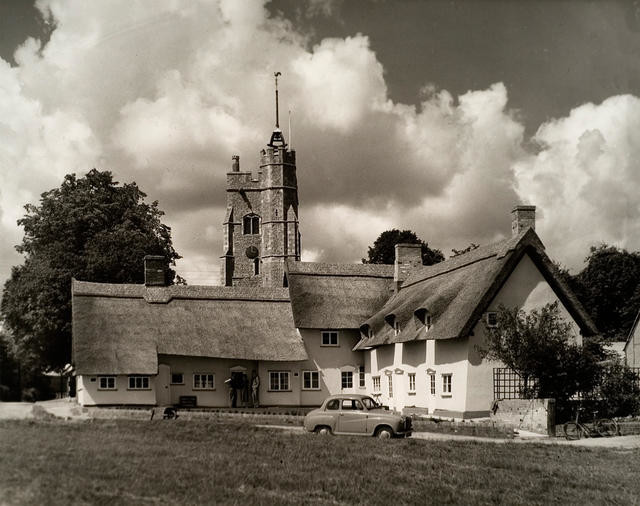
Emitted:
<point x="482" y="428"/>
<point x="534" y="415"/>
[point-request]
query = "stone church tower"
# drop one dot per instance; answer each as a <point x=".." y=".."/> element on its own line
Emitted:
<point x="261" y="222"/>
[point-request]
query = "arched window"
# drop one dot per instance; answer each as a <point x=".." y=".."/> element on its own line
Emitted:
<point x="251" y="224"/>
<point x="256" y="266"/>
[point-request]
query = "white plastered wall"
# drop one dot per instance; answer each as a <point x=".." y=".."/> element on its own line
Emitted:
<point x="88" y="393"/>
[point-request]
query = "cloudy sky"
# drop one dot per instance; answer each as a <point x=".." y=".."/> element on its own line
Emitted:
<point x="434" y="116"/>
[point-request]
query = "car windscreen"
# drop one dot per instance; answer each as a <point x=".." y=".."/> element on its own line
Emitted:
<point x="370" y="403"/>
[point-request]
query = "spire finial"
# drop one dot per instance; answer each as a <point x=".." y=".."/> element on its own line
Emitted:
<point x="276" y="74"/>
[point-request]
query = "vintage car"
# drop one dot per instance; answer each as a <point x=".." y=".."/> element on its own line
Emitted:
<point x="356" y="414"/>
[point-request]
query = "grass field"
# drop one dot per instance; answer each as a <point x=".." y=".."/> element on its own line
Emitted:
<point x="223" y="461"/>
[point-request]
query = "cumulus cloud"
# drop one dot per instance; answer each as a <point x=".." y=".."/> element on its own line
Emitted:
<point x="166" y="94"/>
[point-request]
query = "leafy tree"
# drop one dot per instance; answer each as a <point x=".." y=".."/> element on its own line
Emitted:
<point x="383" y="249"/>
<point x="620" y="390"/>
<point x="609" y="288"/>
<point x="539" y="347"/>
<point x="90" y="228"/>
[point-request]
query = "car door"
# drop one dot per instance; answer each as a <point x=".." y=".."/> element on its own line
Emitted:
<point x="352" y="417"/>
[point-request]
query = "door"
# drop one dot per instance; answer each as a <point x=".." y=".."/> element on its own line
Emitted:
<point x="352" y="417"/>
<point x="163" y="388"/>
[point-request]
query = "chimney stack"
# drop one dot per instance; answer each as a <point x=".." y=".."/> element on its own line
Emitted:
<point x="235" y="163"/>
<point x="408" y="258"/>
<point x="522" y="217"/>
<point x="155" y="272"/>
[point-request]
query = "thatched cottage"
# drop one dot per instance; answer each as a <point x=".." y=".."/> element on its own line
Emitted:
<point x="405" y="333"/>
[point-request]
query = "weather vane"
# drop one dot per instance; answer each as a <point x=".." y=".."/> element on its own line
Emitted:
<point x="276" y="74"/>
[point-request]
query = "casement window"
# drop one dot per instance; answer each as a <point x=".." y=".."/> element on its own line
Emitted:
<point x="138" y="382"/>
<point x="279" y="381"/>
<point x="177" y="378"/>
<point x="361" y="371"/>
<point x="106" y="383"/>
<point x="427" y="322"/>
<point x="446" y="384"/>
<point x="329" y="338"/>
<point x="390" y="386"/>
<point x="204" y="381"/>
<point x="492" y="319"/>
<point x="347" y="379"/>
<point x="412" y="382"/>
<point x="251" y="224"/>
<point x="432" y="384"/>
<point x="376" y="383"/>
<point x="423" y="317"/>
<point x="310" y="380"/>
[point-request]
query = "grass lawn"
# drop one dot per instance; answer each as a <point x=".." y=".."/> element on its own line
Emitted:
<point x="227" y="461"/>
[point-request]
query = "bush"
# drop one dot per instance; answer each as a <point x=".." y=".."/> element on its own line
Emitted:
<point x="619" y="390"/>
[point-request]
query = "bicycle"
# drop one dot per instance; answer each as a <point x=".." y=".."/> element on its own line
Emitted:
<point x="603" y="427"/>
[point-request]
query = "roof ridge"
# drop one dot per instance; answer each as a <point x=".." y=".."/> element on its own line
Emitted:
<point x="452" y="269"/>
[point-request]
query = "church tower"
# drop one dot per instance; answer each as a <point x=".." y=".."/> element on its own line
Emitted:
<point x="261" y="222"/>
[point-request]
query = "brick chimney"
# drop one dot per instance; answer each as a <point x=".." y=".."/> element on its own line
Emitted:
<point x="408" y="258"/>
<point x="522" y="217"/>
<point x="155" y="272"/>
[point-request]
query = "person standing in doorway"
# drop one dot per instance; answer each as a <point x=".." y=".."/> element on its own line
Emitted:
<point x="255" y="388"/>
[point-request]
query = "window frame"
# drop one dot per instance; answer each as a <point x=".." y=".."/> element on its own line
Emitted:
<point x="176" y="374"/>
<point x="279" y="386"/>
<point x="107" y="378"/>
<point x="311" y="375"/>
<point x="135" y="379"/>
<point x="253" y="220"/>
<point x="361" y="377"/>
<point x="377" y="385"/>
<point x="390" y="386"/>
<point x="412" y="382"/>
<point x="447" y="384"/>
<point x="432" y="383"/>
<point x="348" y="376"/>
<point x="206" y="382"/>
<point x="489" y="316"/>
<point x="329" y="333"/>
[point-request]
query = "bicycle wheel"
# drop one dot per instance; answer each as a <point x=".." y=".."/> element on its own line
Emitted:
<point x="572" y="431"/>
<point x="606" y="427"/>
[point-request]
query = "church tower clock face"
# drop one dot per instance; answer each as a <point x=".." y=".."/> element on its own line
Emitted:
<point x="251" y="252"/>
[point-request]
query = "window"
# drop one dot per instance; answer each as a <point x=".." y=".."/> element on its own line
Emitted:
<point x="310" y="380"/>
<point x="138" y="382"/>
<point x="106" y="383"/>
<point x="390" y="386"/>
<point x="492" y="319"/>
<point x="329" y="338"/>
<point x="376" y="383"/>
<point x="351" y="404"/>
<point x="177" y="378"/>
<point x="446" y="384"/>
<point x="251" y="224"/>
<point x="333" y="404"/>
<point x="279" y="381"/>
<point x="347" y="379"/>
<point x="432" y="381"/>
<point x="361" y="371"/>
<point x="396" y="328"/>
<point x="427" y="322"/>
<point x="203" y="381"/>
<point x="412" y="382"/>
<point x="256" y="266"/>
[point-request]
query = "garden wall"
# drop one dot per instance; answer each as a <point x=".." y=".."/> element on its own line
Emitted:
<point x="535" y="415"/>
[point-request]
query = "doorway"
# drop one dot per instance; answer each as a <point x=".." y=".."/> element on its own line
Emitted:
<point x="163" y="388"/>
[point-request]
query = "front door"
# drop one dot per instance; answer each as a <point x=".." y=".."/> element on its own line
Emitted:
<point x="352" y="417"/>
<point x="163" y="388"/>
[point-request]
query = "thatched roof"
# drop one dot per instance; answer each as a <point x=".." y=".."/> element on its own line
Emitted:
<point x="337" y="296"/>
<point x="120" y="329"/>
<point x="456" y="292"/>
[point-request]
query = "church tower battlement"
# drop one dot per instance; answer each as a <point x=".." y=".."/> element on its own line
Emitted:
<point x="261" y="223"/>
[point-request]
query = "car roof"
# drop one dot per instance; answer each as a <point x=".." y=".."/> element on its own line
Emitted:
<point x="347" y="396"/>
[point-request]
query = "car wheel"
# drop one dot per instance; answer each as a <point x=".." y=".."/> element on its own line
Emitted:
<point x="323" y="431"/>
<point x="384" y="433"/>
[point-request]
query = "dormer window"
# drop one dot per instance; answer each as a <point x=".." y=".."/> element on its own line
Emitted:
<point x="423" y="317"/>
<point x="251" y="224"/>
<point x="393" y="323"/>
<point x="366" y="331"/>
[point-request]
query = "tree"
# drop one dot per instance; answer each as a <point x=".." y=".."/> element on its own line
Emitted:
<point x="540" y="348"/>
<point x="383" y="249"/>
<point x="609" y="288"/>
<point x="89" y="228"/>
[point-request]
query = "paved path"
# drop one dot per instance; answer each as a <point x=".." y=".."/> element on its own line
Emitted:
<point x="620" y="442"/>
